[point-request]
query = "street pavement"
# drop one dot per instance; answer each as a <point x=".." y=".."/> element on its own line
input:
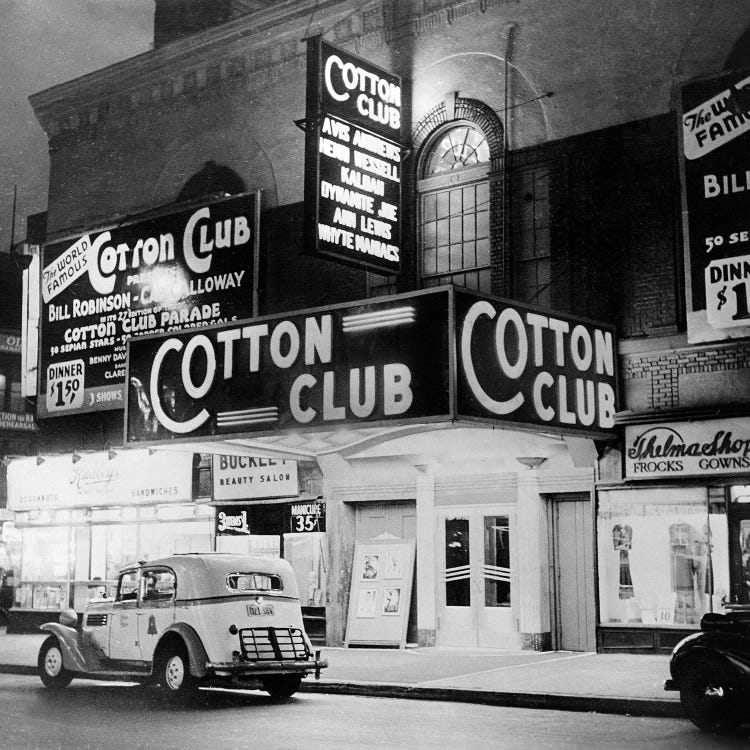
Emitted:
<point x="605" y="683"/>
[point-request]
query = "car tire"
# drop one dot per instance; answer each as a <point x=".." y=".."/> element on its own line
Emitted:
<point x="52" y="671"/>
<point x="173" y="673"/>
<point x="711" y="694"/>
<point x="282" y="687"/>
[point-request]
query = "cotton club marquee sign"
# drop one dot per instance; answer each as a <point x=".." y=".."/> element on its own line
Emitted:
<point x="353" y="128"/>
<point x="374" y="362"/>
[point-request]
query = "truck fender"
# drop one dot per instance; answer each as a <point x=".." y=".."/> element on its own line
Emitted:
<point x="70" y="645"/>
<point x="196" y="651"/>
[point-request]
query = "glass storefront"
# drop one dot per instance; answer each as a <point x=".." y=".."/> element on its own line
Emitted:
<point x="663" y="556"/>
<point x="73" y="555"/>
<point x="263" y="530"/>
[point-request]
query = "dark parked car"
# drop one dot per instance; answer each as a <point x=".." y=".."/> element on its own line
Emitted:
<point x="711" y="669"/>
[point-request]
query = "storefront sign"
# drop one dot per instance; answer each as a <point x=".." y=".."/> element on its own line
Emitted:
<point x="10" y="343"/>
<point x="307" y="517"/>
<point x="677" y="449"/>
<point x="232" y="520"/>
<point x="185" y="269"/>
<point x="352" y="159"/>
<point x="10" y="420"/>
<point x="372" y="362"/>
<point x="245" y="477"/>
<point x="363" y="363"/>
<point x="94" y="479"/>
<point x="716" y="181"/>
<point x="523" y="365"/>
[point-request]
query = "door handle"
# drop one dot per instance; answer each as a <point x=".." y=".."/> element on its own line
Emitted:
<point x="139" y="614"/>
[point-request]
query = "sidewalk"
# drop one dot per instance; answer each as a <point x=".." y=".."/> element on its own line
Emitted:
<point x="605" y="683"/>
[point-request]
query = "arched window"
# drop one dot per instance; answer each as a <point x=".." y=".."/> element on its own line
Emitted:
<point x="454" y="208"/>
<point x="214" y="179"/>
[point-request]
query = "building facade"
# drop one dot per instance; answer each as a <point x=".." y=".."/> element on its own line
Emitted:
<point x="541" y="163"/>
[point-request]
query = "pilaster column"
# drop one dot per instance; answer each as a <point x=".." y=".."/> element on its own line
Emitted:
<point x="533" y="564"/>
<point x="425" y="580"/>
<point x="340" y="522"/>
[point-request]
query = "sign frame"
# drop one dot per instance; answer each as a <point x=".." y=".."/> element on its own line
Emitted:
<point x="677" y="450"/>
<point x="416" y="345"/>
<point x="242" y="478"/>
<point x="715" y="242"/>
<point x="365" y="228"/>
<point x="379" y="599"/>
<point x="128" y="282"/>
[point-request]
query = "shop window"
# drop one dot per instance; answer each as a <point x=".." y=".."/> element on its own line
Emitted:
<point x="530" y="212"/>
<point x="112" y="546"/>
<point x="663" y="557"/>
<point x="496" y="561"/>
<point x="307" y="553"/>
<point x="454" y="209"/>
<point x="457" y="563"/>
<point x="164" y="539"/>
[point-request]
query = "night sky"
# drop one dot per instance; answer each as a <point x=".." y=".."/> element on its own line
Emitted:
<point x="44" y="43"/>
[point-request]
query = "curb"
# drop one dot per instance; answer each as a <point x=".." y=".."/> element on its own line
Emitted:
<point x="646" y="707"/>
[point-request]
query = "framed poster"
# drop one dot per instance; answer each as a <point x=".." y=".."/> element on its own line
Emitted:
<point x="380" y="594"/>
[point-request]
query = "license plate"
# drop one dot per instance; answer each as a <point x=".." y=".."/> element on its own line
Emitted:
<point x="259" y="609"/>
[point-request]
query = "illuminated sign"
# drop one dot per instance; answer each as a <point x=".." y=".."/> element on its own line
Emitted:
<point x="130" y="478"/>
<point x="232" y="521"/>
<point x="715" y="136"/>
<point x="352" y="160"/>
<point x="531" y="366"/>
<point x="10" y="343"/>
<point x="305" y="518"/>
<point x="372" y="362"/>
<point x="185" y="269"/>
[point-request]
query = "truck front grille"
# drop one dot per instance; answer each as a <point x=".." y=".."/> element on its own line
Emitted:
<point x="273" y="644"/>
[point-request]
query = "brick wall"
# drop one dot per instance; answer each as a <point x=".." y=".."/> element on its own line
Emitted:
<point x="680" y="377"/>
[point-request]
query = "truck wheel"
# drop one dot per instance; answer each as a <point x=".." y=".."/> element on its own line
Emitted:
<point x="50" y="665"/>
<point x="282" y="687"/>
<point x="173" y="672"/>
<point x="711" y="695"/>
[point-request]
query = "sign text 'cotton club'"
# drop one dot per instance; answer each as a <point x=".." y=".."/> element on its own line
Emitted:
<point x="352" y="159"/>
<point x="182" y="269"/>
<point x="375" y="362"/>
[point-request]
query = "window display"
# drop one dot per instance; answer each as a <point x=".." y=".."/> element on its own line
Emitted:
<point x="663" y="557"/>
<point x="65" y="566"/>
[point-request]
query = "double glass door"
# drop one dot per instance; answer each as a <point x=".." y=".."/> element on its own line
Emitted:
<point x="475" y="586"/>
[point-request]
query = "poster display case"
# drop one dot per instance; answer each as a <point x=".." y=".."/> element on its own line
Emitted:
<point x="380" y="594"/>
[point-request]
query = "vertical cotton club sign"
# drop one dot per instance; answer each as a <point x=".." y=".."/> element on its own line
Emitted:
<point x="352" y="160"/>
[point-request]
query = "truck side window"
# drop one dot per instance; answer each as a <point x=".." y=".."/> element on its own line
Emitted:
<point x="127" y="586"/>
<point x="159" y="585"/>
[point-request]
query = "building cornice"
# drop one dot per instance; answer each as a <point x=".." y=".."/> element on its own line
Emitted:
<point x="252" y="51"/>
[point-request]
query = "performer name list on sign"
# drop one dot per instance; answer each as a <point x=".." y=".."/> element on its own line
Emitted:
<point x="359" y="190"/>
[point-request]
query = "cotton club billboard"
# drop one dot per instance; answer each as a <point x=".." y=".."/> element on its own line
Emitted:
<point x="353" y="154"/>
<point x="372" y="362"/>
<point x="175" y="270"/>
